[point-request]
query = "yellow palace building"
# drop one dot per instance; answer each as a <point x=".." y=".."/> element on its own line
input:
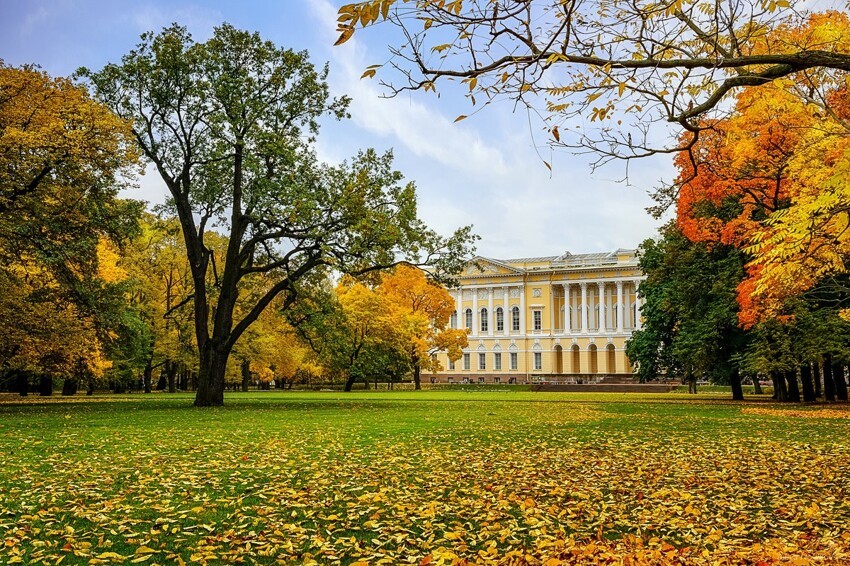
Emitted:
<point x="546" y="319"/>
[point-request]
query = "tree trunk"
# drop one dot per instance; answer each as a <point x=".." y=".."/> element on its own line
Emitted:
<point x="417" y="381"/>
<point x="246" y="375"/>
<point x="828" y="383"/>
<point x="69" y="388"/>
<point x="161" y="383"/>
<point x="840" y="382"/>
<point x="793" y="388"/>
<point x="692" y="383"/>
<point x="22" y="383"/>
<point x="349" y="382"/>
<point x="45" y="386"/>
<point x="90" y="388"/>
<point x="808" y="385"/>
<point x="171" y="372"/>
<point x="780" y="392"/>
<point x="817" y="380"/>
<point x="757" y="386"/>
<point x="735" y="382"/>
<point x="148" y="375"/>
<point x="211" y="375"/>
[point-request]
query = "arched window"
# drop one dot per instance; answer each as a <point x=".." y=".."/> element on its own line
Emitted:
<point x="515" y="319"/>
<point x="500" y="319"/>
<point x="538" y="357"/>
<point x="453" y="321"/>
<point x="484" y="321"/>
<point x="468" y="317"/>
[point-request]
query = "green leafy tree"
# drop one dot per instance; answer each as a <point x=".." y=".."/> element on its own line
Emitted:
<point x="691" y="313"/>
<point x="229" y="125"/>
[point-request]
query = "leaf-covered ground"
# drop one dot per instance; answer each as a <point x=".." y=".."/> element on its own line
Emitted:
<point x="427" y="478"/>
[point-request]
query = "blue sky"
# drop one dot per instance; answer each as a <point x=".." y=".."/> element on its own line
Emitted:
<point x="483" y="171"/>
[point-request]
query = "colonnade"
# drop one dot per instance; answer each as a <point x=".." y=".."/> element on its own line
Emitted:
<point x="577" y="303"/>
<point x="602" y="304"/>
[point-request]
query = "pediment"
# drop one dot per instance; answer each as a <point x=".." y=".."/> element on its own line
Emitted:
<point x="486" y="266"/>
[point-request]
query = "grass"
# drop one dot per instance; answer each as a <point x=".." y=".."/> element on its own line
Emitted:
<point x="422" y="477"/>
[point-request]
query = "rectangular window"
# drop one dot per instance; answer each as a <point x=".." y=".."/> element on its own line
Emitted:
<point x="497" y="361"/>
<point x="515" y="319"/>
<point x="538" y="320"/>
<point x="497" y="380"/>
<point x="482" y="361"/>
<point x="451" y="364"/>
<point x="480" y="380"/>
<point x="513" y="360"/>
<point x="466" y="360"/>
<point x="538" y="360"/>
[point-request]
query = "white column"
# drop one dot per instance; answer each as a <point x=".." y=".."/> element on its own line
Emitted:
<point x="568" y="327"/>
<point x="491" y="314"/>
<point x="522" y="310"/>
<point x="583" y="308"/>
<point x="475" y="312"/>
<point x="600" y="286"/>
<point x="552" y="314"/>
<point x="637" y="305"/>
<point x="620" y="313"/>
<point x="506" y="313"/>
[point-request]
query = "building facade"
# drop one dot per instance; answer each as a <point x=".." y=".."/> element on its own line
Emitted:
<point x="545" y="319"/>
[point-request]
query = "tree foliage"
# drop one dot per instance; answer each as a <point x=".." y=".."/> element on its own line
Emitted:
<point x="422" y="310"/>
<point x="690" y="311"/>
<point x="62" y="160"/>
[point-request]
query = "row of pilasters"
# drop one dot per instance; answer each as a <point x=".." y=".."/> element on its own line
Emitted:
<point x="492" y="304"/>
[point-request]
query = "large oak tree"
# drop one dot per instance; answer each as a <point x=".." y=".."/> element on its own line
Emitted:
<point x="229" y="125"/>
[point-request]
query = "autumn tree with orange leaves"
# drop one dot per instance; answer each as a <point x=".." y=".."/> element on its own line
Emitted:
<point x="423" y="310"/>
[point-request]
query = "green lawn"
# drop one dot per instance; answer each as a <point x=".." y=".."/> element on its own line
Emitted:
<point x="422" y="477"/>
